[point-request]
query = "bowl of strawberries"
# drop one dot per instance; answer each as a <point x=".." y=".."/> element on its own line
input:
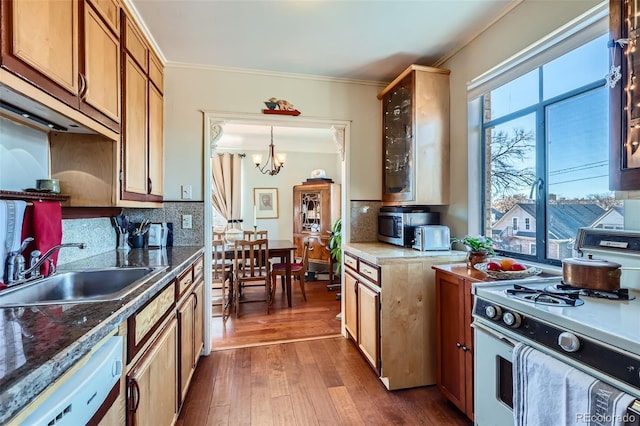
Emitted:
<point x="507" y="269"/>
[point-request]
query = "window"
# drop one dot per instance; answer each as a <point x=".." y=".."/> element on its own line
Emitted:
<point x="544" y="147"/>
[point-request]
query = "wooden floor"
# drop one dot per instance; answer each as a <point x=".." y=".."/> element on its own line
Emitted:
<point x="254" y="378"/>
<point x="304" y="320"/>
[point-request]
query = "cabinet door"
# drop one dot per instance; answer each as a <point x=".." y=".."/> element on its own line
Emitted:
<point x="351" y="305"/>
<point x="135" y="175"/>
<point x="198" y="322"/>
<point x="369" y="324"/>
<point x="450" y="338"/>
<point x="153" y="393"/>
<point x="101" y="70"/>
<point x="186" y="347"/>
<point x="398" y="180"/>
<point x="42" y="45"/>
<point x="156" y="142"/>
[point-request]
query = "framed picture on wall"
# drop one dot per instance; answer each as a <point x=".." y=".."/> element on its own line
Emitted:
<point x="265" y="201"/>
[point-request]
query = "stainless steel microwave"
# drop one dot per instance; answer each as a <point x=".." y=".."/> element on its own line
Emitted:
<point x="396" y="224"/>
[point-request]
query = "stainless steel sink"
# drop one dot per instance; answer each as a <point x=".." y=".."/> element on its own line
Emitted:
<point x="83" y="286"/>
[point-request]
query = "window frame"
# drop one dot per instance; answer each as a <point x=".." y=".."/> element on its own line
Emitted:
<point x="587" y="27"/>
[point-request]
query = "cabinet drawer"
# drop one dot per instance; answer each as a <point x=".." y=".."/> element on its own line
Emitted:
<point x="184" y="282"/>
<point x="351" y="261"/>
<point x="198" y="269"/>
<point x="135" y="45"/>
<point x="142" y="324"/>
<point x="369" y="271"/>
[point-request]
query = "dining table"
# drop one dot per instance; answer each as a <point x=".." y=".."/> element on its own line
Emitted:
<point x="281" y="249"/>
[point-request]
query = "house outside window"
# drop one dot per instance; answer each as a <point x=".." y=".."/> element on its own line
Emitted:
<point x="544" y="141"/>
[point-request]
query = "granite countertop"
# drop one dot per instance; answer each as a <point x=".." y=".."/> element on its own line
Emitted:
<point x="40" y="343"/>
<point x="381" y="253"/>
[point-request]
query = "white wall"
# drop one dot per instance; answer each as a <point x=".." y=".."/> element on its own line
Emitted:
<point x="189" y="91"/>
<point x="525" y="24"/>
<point x="24" y="155"/>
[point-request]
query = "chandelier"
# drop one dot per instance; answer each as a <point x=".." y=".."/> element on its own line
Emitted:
<point x="274" y="162"/>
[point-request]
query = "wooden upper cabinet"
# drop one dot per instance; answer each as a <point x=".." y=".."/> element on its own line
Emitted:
<point x="143" y="119"/>
<point x="135" y="45"/>
<point x="135" y="147"/>
<point x="42" y="44"/>
<point x="101" y="69"/>
<point x="156" y="73"/>
<point x="156" y="142"/>
<point x="624" y="98"/>
<point x="415" y="145"/>
<point x="66" y="49"/>
<point x="110" y="12"/>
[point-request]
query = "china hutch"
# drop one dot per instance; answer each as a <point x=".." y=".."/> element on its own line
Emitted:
<point x="316" y="206"/>
<point x="415" y="130"/>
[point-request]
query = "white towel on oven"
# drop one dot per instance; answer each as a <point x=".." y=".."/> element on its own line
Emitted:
<point x="547" y="391"/>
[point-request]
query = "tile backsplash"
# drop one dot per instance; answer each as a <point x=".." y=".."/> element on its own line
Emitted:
<point x="363" y="217"/>
<point x="100" y="236"/>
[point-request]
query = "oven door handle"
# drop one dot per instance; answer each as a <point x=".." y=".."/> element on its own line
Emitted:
<point x="494" y="333"/>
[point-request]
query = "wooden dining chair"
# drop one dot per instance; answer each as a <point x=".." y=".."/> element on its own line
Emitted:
<point x="251" y="269"/>
<point x="298" y="270"/>
<point x="257" y="235"/>
<point x="221" y="280"/>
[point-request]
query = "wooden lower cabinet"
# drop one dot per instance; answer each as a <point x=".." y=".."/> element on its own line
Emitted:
<point x="152" y="381"/>
<point x="369" y="324"/>
<point x="362" y="315"/>
<point x="190" y="316"/>
<point x="390" y="310"/>
<point x="454" y="304"/>
<point x="350" y="297"/>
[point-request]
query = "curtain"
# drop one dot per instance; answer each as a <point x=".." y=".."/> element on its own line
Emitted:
<point x="227" y="184"/>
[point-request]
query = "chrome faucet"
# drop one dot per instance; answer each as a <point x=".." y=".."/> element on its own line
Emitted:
<point x="15" y="261"/>
<point x="20" y="274"/>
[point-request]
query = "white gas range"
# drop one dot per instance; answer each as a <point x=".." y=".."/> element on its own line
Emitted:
<point x="570" y="328"/>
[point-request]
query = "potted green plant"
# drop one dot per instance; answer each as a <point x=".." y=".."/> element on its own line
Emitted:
<point x="335" y="244"/>
<point x="479" y="248"/>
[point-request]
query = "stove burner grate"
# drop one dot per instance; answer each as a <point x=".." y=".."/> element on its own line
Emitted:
<point x="562" y="288"/>
<point x="544" y="297"/>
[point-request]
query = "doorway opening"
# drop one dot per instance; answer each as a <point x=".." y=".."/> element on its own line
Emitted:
<point x="214" y="128"/>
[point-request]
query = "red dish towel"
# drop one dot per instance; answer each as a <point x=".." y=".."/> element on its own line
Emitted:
<point x="43" y="222"/>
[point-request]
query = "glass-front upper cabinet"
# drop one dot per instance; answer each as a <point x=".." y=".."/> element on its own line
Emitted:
<point x="397" y="149"/>
<point x="415" y="137"/>
<point x="624" y="25"/>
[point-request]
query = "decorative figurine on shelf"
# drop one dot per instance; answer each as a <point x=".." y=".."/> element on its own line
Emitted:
<point x="280" y="106"/>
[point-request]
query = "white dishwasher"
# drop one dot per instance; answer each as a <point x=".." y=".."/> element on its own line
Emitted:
<point x="77" y="400"/>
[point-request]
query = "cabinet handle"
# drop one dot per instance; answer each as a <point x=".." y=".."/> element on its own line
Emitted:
<point x="196" y="297"/>
<point x="458" y="345"/>
<point x="150" y="186"/>
<point x="464" y="348"/>
<point x="83" y="86"/>
<point x="135" y="395"/>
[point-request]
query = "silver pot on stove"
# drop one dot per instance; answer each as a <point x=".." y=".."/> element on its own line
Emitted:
<point x="594" y="274"/>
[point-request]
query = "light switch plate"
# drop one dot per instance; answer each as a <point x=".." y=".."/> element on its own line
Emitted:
<point x="187" y="192"/>
<point x="186" y="221"/>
